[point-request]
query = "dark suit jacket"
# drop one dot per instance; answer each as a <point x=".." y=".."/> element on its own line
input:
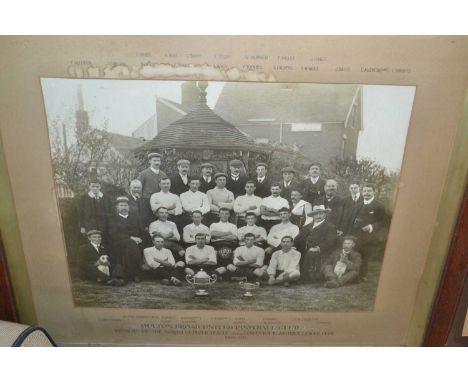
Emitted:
<point x="87" y="257"/>
<point x="142" y="209"/>
<point x="313" y="191"/>
<point x="354" y="260"/>
<point x="236" y="187"/>
<point x="177" y="185"/>
<point x="365" y="214"/>
<point x="336" y="209"/>
<point x="323" y="236"/>
<point x="121" y="229"/>
<point x="286" y="191"/>
<point x="349" y="206"/>
<point x="204" y="186"/>
<point x="93" y="213"/>
<point x="262" y="189"/>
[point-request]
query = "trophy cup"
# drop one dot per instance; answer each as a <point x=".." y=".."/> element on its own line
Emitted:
<point x="200" y="281"/>
<point x="248" y="287"/>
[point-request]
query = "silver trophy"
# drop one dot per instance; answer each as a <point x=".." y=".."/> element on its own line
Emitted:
<point x="200" y="281"/>
<point x="248" y="287"/>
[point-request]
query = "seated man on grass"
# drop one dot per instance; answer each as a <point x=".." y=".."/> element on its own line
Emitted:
<point x="202" y="256"/>
<point x="248" y="260"/>
<point x="284" y="264"/>
<point x="161" y="263"/>
<point x="343" y="265"/>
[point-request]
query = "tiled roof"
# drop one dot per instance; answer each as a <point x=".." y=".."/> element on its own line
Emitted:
<point x="123" y="143"/>
<point x="200" y="128"/>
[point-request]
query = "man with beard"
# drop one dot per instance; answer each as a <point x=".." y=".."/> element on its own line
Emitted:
<point x="207" y="181"/>
<point x="235" y="181"/>
<point x="139" y="205"/>
<point x="151" y="176"/>
<point x="262" y="181"/>
<point x="313" y="185"/>
<point x="181" y="182"/>
<point x="125" y="236"/>
<point x="332" y="202"/>
<point x="367" y="220"/>
<point x="315" y="242"/>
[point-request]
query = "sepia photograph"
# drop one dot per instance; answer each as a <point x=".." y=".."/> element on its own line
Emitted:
<point x="226" y="195"/>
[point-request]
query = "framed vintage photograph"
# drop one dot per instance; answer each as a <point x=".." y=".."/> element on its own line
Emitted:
<point x="227" y="191"/>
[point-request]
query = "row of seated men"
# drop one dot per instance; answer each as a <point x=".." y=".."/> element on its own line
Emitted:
<point x="314" y="242"/>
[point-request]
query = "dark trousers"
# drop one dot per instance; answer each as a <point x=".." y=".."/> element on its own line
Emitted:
<point x="166" y="273"/>
<point x="246" y="272"/>
<point x="347" y="278"/>
<point x="127" y="254"/>
<point x="267" y="224"/>
<point x="311" y="267"/>
<point x="210" y="269"/>
<point x="175" y="248"/>
<point x="91" y="272"/>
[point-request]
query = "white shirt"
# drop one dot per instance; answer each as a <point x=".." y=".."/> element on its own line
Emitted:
<point x="316" y="224"/>
<point x="207" y="179"/>
<point x="274" y="202"/>
<point x="278" y="231"/>
<point x="96" y="247"/>
<point x="286" y="262"/>
<point x="191" y="230"/>
<point x="94" y="196"/>
<point x="220" y="198"/>
<point x="124" y="216"/>
<point x="260" y="180"/>
<point x="299" y="209"/>
<point x="164" y="228"/>
<point x="368" y="201"/>
<point x="206" y="251"/>
<point x="154" y="170"/>
<point x="184" y="178"/>
<point x="356" y="197"/>
<point x="256" y="230"/>
<point x="223" y="227"/>
<point x="153" y="256"/>
<point x="249" y="254"/>
<point x="315" y="179"/>
<point x="243" y="202"/>
<point x="192" y="201"/>
<point x="166" y="199"/>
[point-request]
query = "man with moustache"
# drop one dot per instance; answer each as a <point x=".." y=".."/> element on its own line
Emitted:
<point x="207" y="181"/>
<point x="270" y="207"/>
<point x="349" y="204"/>
<point x="139" y="205"/>
<point x="313" y="185"/>
<point x="332" y="202"/>
<point x="367" y="220"/>
<point x="151" y="176"/>
<point x="262" y="181"/>
<point x="235" y="181"/>
<point x="193" y="200"/>
<point x="219" y="197"/>
<point x="181" y="182"/>
<point x="289" y="183"/>
<point x="247" y="203"/>
<point x="315" y="242"/>
<point x="167" y="199"/>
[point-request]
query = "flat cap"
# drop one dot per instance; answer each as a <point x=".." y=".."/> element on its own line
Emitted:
<point x="93" y="232"/>
<point x="207" y="165"/>
<point x="235" y="163"/>
<point x="288" y="169"/>
<point x="218" y="174"/>
<point x="183" y="161"/>
<point x="153" y="155"/>
<point x="261" y="164"/>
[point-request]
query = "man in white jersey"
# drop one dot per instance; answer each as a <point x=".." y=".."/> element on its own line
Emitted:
<point x="248" y="260"/>
<point x="202" y="256"/>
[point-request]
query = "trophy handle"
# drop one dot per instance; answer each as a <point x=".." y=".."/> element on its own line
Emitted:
<point x="213" y="279"/>
<point x="189" y="279"/>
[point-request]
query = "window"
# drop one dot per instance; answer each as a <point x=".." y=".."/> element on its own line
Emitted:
<point x="261" y="140"/>
<point x="297" y="127"/>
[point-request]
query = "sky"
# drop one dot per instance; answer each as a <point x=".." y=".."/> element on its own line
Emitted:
<point x="126" y="104"/>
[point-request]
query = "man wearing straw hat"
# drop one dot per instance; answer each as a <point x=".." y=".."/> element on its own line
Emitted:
<point x="315" y="242"/>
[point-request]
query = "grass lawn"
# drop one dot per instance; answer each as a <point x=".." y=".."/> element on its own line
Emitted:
<point x="229" y="296"/>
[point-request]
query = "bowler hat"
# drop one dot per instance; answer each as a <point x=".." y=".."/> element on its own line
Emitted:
<point x="235" y="163"/>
